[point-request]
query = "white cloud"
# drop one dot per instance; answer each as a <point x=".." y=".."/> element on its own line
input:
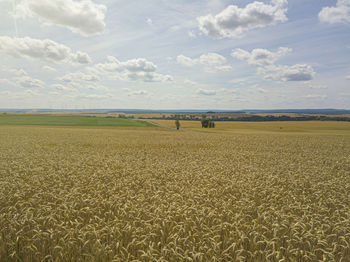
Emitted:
<point x="4" y="81"/>
<point x="93" y="96"/>
<point x="316" y="97"/>
<point x="224" y="68"/>
<point x="138" y="93"/>
<point x="206" y="92"/>
<point x="31" y="92"/>
<point x="48" y="69"/>
<point x="20" y="95"/>
<point x="211" y="61"/>
<point x="132" y="70"/>
<point x="192" y="34"/>
<point x="46" y="50"/>
<point x="61" y="87"/>
<point x="190" y="82"/>
<point x="233" y="21"/>
<point x="83" y="17"/>
<point x="29" y="82"/>
<point x="238" y="80"/>
<point x="265" y="60"/>
<point x="133" y="65"/>
<point x="85" y="85"/>
<point x="313" y="86"/>
<point x="260" y="57"/>
<point x="186" y="61"/>
<point x="79" y="76"/>
<point x="347" y="77"/>
<point x="149" y="21"/>
<point x="298" y="72"/>
<point x="146" y="77"/>
<point x="337" y="14"/>
<point x="17" y="72"/>
<point x="260" y="90"/>
<point x="175" y="28"/>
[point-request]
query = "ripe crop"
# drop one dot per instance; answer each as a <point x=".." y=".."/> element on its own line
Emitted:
<point x="151" y="194"/>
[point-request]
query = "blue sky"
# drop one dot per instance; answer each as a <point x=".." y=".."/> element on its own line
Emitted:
<point x="158" y="54"/>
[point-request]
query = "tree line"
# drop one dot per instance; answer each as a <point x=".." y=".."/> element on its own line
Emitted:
<point x="256" y="118"/>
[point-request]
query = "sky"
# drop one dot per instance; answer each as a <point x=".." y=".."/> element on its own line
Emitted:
<point x="183" y="54"/>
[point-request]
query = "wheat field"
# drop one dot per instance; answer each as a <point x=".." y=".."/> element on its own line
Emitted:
<point x="152" y="194"/>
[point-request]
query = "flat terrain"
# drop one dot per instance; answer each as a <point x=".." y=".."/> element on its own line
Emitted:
<point x="52" y="120"/>
<point x="285" y="127"/>
<point x="239" y="192"/>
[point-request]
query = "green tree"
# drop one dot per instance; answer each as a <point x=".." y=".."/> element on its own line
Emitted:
<point x="177" y="123"/>
<point x="205" y="123"/>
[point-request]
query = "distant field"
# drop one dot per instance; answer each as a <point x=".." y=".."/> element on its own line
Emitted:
<point x="245" y="192"/>
<point x="52" y="120"/>
<point x="285" y="127"/>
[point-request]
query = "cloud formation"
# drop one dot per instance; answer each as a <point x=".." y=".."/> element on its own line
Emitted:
<point x="131" y="70"/>
<point x="138" y="93"/>
<point x="190" y="82"/>
<point x="21" y="79"/>
<point x="49" y="69"/>
<point x="315" y="97"/>
<point x="79" y="76"/>
<point x="298" y="72"/>
<point x="93" y="96"/>
<point x="260" y="57"/>
<point x="46" y="50"/>
<point x="186" y="61"/>
<point x="83" y="17"/>
<point x="206" y="92"/>
<point x="211" y="61"/>
<point x="29" y="82"/>
<point x="17" y="72"/>
<point x="336" y="14"/>
<point x="233" y="21"/>
<point x="61" y="87"/>
<point x="265" y="60"/>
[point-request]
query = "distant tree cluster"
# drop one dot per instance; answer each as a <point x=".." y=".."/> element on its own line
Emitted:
<point x="125" y="116"/>
<point x="206" y="123"/>
<point x="254" y="118"/>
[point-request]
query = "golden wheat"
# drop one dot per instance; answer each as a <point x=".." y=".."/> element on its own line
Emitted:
<point x="89" y="194"/>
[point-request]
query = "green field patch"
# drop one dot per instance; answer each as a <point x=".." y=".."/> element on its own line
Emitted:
<point x="52" y="120"/>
